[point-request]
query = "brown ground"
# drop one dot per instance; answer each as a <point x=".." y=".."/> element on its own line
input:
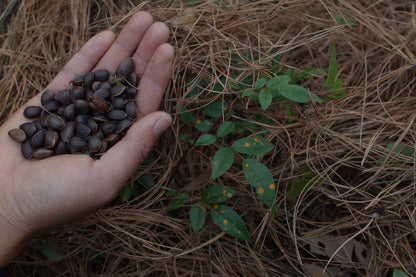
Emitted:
<point x="362" y="197"/>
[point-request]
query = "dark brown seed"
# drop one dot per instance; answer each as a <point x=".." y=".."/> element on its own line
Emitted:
<point x="95" y="86"/>
<point x="55" y="122"/>
<point x="130" y="93"/>
<point x="51" y="139"/>
<point x="37" y="139"/>
<point x="117" y="114"/>
<point x="68" y="132"/>
<point x="64" y="97"/>
<point x="62" y="148"/>
<point x="117" y="90"/>
<point x="94" y="144"/>
<point x="88" y="80"/>
<point x="69" y="112"/>
<point x="125" y="68"/>
<point x="52" y="106"/>
<point x="99" y="117"/>
<point x="103" y="93"/>
<point x="29" y="128"/>
<point x="38" y="124"/>
<point x="101" y="75"/>
<point x="119" y="103"/>
<point x="99" y="134"/>
<point x="42" y="153"/>
<point x="77" y="144"/>
<point x="78" y="80"/>
<point x="82" y="106"/>
<point x="108" y="127"/>
<point x="26" y="149"/>
<point x="32" y="111"/>
<point x="98" y="104"/>
<point x="17" y="135"/>
<point x="61" y="110"/>
<point x="47" y="96"/>
<point x="113" y="139"/>
<point x="78" y="93"/>
<point x="131" y="109"/>
<point x="132" y="80"/>
<point x="82" y="130"/>
<point x="106" y="85"/>
<point x="92" y="124"/>
<point x="104" y="147"/>
<point x="123" y="125"/>
<point x="82" y="118"/>
<point x="111" y="80"/>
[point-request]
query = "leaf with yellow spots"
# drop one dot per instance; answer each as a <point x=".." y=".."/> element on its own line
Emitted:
<point x="260" y="177"/>
<point x="230" y="222"/>
<point x="203" y="125"/>
<point x="222" y="161"/>
<point x="217" y="194"/>
<point x="197" y="216"/>
<point x="252" y="146"/>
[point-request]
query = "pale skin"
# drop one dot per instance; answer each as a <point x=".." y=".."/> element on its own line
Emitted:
<point x="38" y="194"/>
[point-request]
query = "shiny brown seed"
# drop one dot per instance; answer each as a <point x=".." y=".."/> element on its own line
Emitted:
<point x="108" y="127"/>
<point x="52" y="106"/>
<point x="51" y="139"/>
<point x="96" y="85"/>
<point x="88" y="80"/>
<point x="17" y="135"/>
<point x="125" y="68"/>
<point x="104" y="147"/>
<point x="78" y="93"/>
<point x="101" y="75"/>
<point x="102" y="92"/>
<point x="82" y="130"/>
<point x="78" y="80"/>
<point x="98" y="104"/>
<point x="61" y="110"/>
<point x="77" y="144"/>
<point x="119" y="103"/>
<point x="132" y="80"/>
<point x="38" y="124"/>
<point x="42" y="153"/>
<point x="94" y="144"/>
<point x="26" y="149"/>
<point x="92" y="124"/>
<point x="29" y="128"/>
<point x="106" y="85"/>
<point x="64" y="97"/>
<point x="113" y="138"/>
<point x="47" y="96"/>
<point x="82" y="118"/>
<point x="123" y="125"/>
<point x="32" y="111"/>
<point x="81" y="106"/>
<point x="99" y="134"/>
<point x="37" y="139"/>
<point x="68" y="131"/>
<point x="69" y="112"/>
<point x="55" y="122"/>
<point x="117" y="115"/>
<point x="130" y="93"/>
<point x="99" y="117"/>
<point x="117" y="90"/>
<point x="131" y="109"/>
<point x="61" y="148"/>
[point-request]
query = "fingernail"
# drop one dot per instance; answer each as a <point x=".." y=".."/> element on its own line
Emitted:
<point x="161" y="125"/>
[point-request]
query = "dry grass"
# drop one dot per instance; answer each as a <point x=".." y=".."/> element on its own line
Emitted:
<point x="362" y="194"/>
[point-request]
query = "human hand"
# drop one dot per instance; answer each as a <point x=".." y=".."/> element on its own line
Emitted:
<point x="37" y="194"/>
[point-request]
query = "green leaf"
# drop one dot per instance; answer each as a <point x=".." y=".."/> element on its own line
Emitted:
<point x="170" y="193"/>
<point x="260" y="83"/>
<point x="399" y="273"/>
<point x="51" y="254"/>
<point x="178" y="201"/>
<point x="217" y="194"/>
<point x="126" y="193"/>
<point x="278" y="81"/>
<point x="332" y="71"/>
<point x="146" y="180"/>
<point x="275" y="62"/>
<point x="186" y="115"/>
<point x="222" y="161"/>
<point x="290" y="72"/>
<point x="203" y="125"/>
<point x="298" y="185"/>
<point x="214" y="109"/>
<point x="252" y="146"/>
<point x="225" y="128"/>
<point x="197" y="216"/>
<point x="260" y="177"/>
<point x="341" y="19"/>
<point x="205" y="140"/>
<point x="298" y="94"/>
<point x="265" y="98"/>
<point x="230" y="222"/>
<point x="308" y="73"/>
<point x="249" y="92"/>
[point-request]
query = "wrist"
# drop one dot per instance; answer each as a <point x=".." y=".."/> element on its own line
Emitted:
<point x="12" y="242"/>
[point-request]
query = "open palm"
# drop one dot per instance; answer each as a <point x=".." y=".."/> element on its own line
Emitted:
<point x="36" y="194"/>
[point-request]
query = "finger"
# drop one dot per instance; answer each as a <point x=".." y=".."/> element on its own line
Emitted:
<point x="127" y="42"/>
<point x="157" y="35"/>
<point x="119" y="163"/>
<point x="155" y="80"/>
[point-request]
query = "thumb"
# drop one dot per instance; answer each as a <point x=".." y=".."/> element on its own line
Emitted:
<point x="119" y="162"/>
